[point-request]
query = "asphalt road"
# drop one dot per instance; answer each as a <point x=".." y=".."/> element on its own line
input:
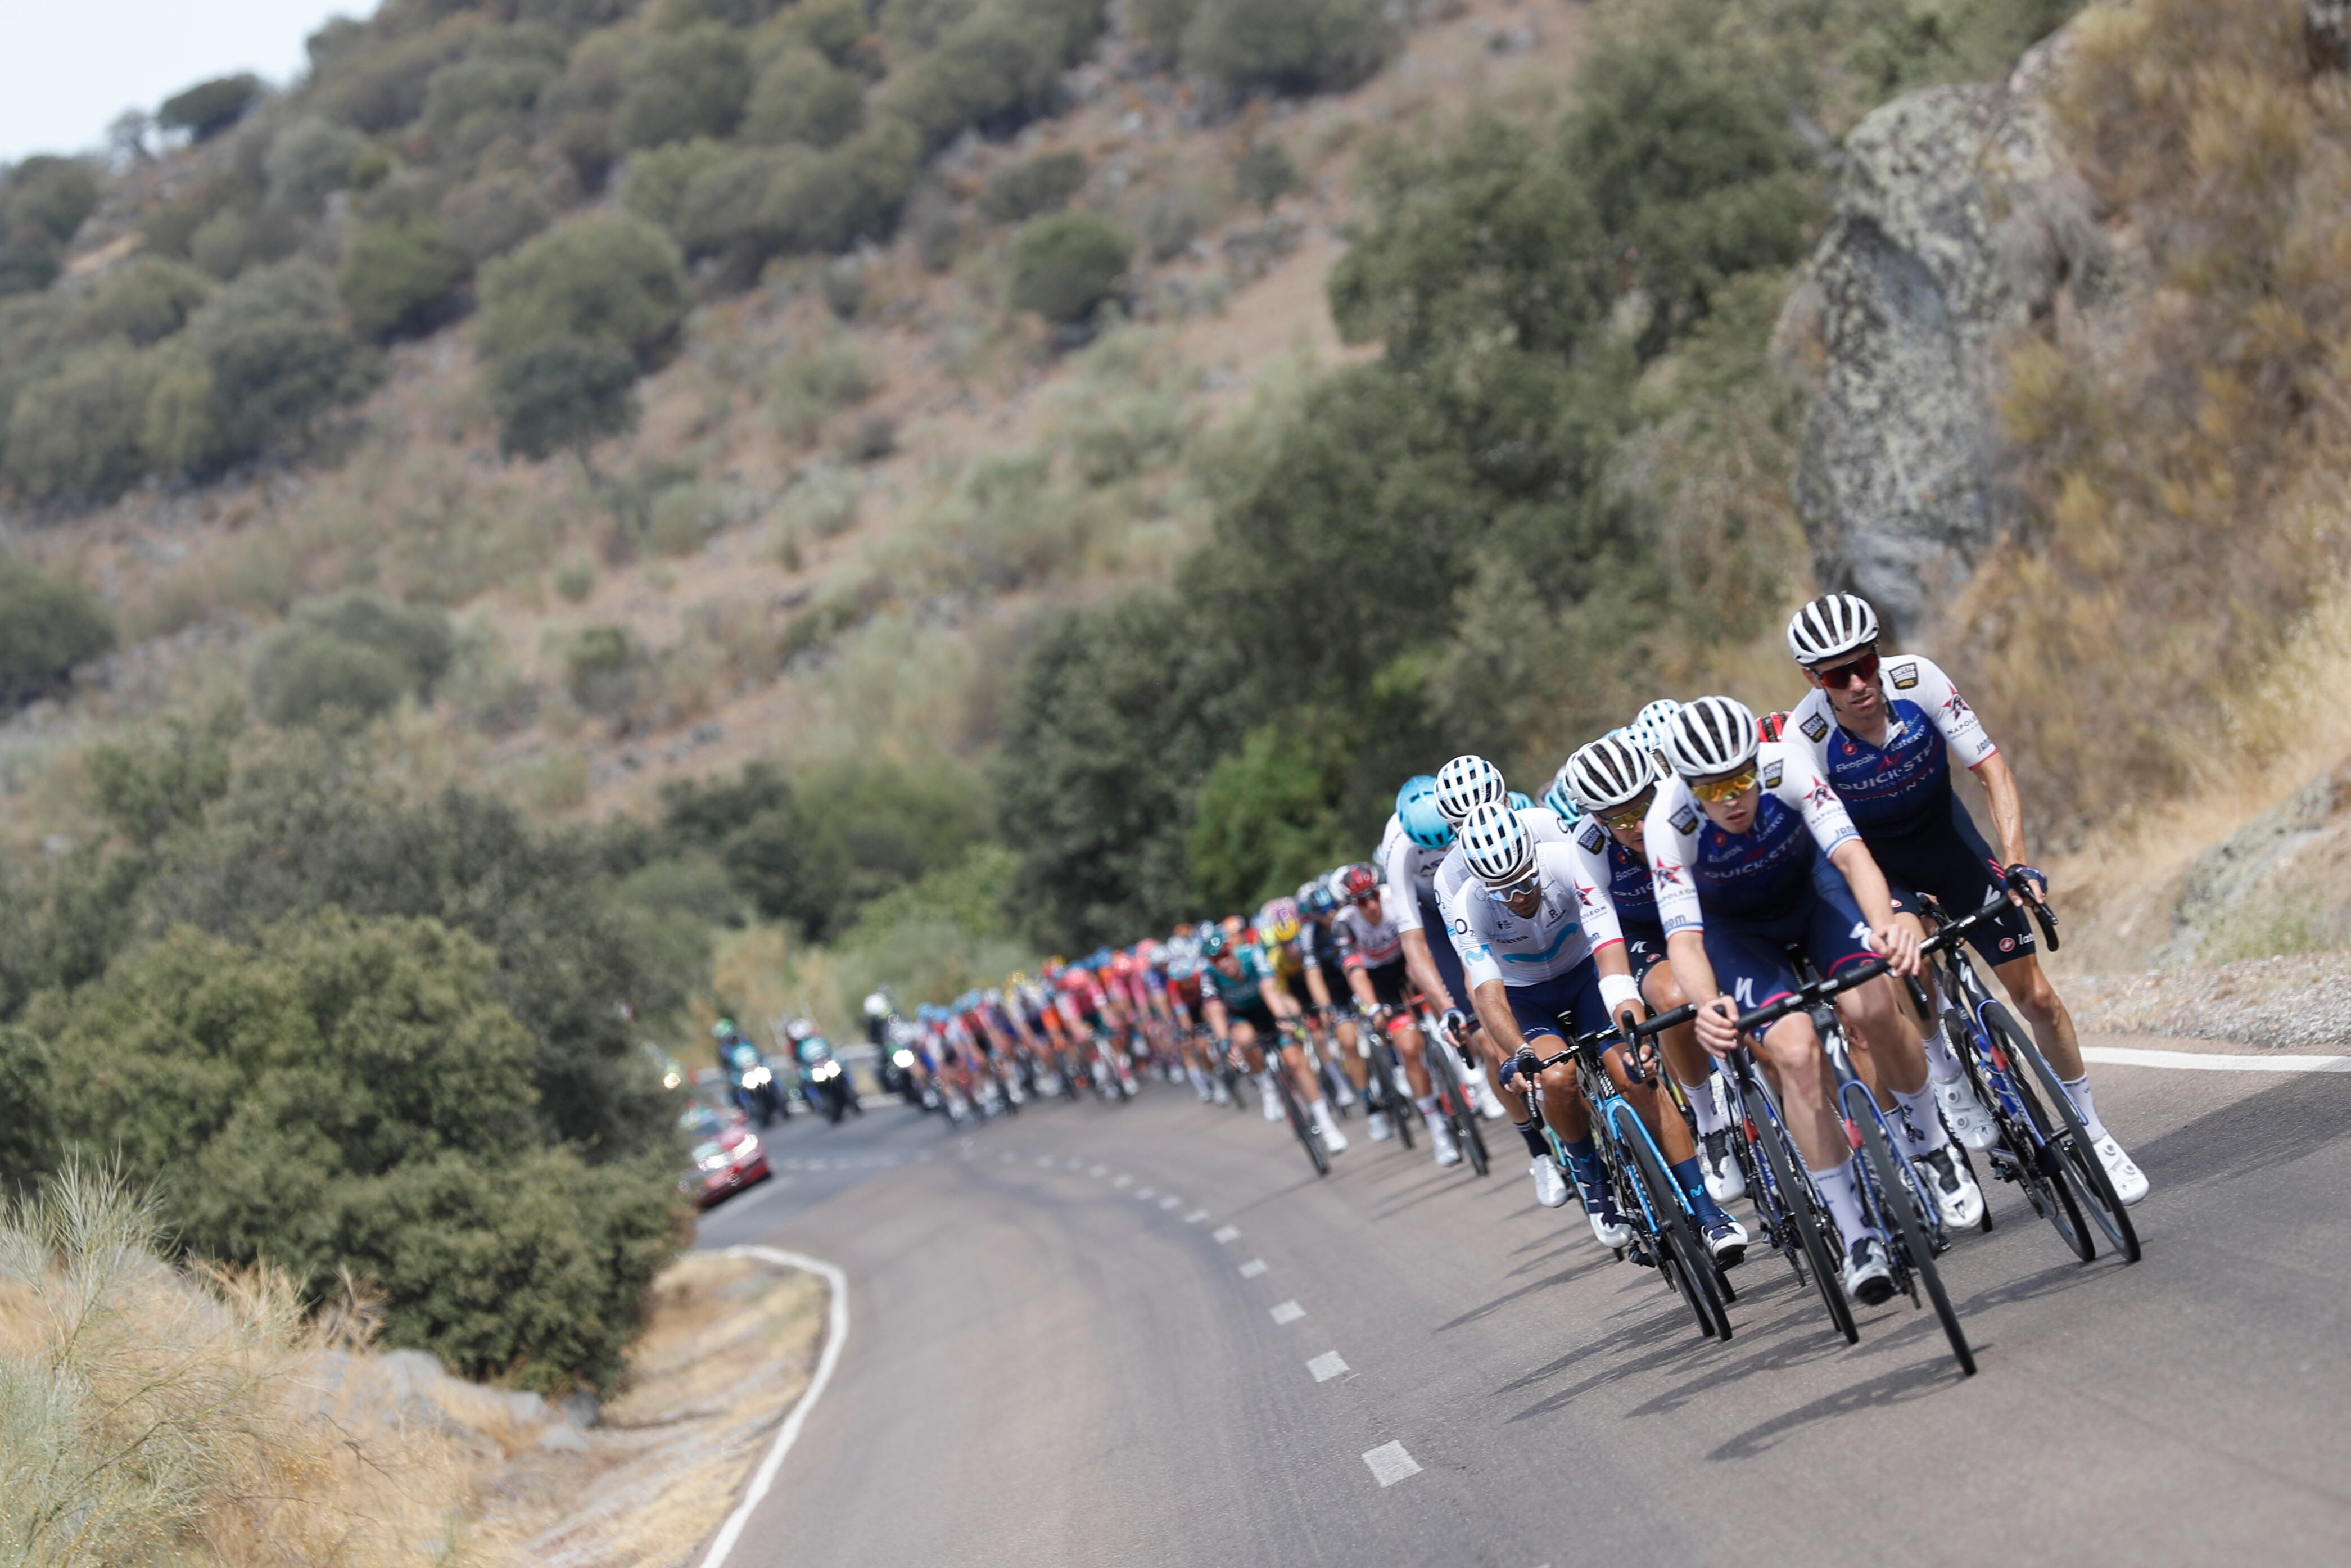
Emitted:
<point x="1051" y="1363"/>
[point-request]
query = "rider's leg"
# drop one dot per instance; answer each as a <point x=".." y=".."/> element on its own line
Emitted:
<point x="1801" y="1069"/>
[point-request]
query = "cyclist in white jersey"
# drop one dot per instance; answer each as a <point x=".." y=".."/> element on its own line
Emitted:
<point x="1371" y="954"/>
<point x="1752" y="854"/>
<point x="1883" y="731"/>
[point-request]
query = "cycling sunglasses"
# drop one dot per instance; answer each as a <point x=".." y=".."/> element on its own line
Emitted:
<point x="1836" y="677"/>
<point x="1525" y="887"/>
<point x="1624" y="818"/>
<point x="1716" y="791"/>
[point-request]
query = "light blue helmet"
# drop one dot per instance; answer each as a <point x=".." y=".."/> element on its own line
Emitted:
<point x="1423" y="825"/>
<point x="1561" y="803"/>
<point x="1648" y="725"/>
<point x="1521" y="802"/>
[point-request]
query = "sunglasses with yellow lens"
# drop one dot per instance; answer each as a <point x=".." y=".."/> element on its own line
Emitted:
<point x="1628" y="816"/>
<point x="1715" y="791"/>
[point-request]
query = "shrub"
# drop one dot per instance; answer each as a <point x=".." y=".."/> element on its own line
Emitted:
<point x="735" y="207"/>
<point x="606" y="278"/>
<point x="1161" y="22"/>
<point x="1043" y="184"/>
<point x="563" y="394"/>
<point x="349" y="658"/>
<point x="1066" y="265"/>
<point x="809" y="387"/>
<point x="801" y="96"/>
<point x="310" y="161"/>
<point x="993" y="71"/>
<point x="78" y="434"/>
<point x="603" y="668"/>
<point x="659" y="177"/>
<point x="143" y="301"/>
<point x="351" y="1095"/>
<point x="43" y="201"/>
<point x="1287" y="46"/>
<point x="1269" y="818"/>
<point x="491" y="216"/>
<point x="1264" y="174"/>
<point x="401" y="279"/>
<point x="688" y="83"/>
<point x="683" y="517"/>
<point x="265" y="359"/>
<point x="494" y="87"/>
<point x="46" y="629"/>
<point x="209" y="107"/>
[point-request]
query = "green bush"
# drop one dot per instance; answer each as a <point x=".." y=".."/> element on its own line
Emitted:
<point x="1066" y="265"/>
<point x="494" y="88"/>
<point x="1269" y="818"/>
<point x="43" y="201"/>
<point x="209" y="107"/>
<point x="260" y="363"/>
<point x="604" y="668"/>
<point x="606" y="278"/>
<point x="1043" y="184"/>
<point x="143" y="301"/>
<point x="659" y="177"/>
<point x="1264" y="174"/>
<point x="351" y="1095"/>
<point x="733" y="208"/>
<point x="1287" y="46"/>
<point x="350" y="658"/>
<point x="801" y="96"/>
<point x="683" y="83"/>
<point x="491" y="216"/>
<point x="46" y="629"/>
<point x="683" y="517"/>
<point x="994" y="70"/>
<point x="310" y="161"/>
<point x="810" y="387"/>
<point x="563" y="394"/>
<point x="1161" y="22"/>
<point x="401" y="279"/>
<point x="79" y="433"/>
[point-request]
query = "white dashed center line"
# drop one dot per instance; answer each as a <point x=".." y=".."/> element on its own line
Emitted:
<point x="1287" y="1312"/>
<point x="1099" y="1171"/>
<point x="1170" y="1201"/>
<point x="1196" y="1216"/>
<point x="1122" y="1179"/>
<point x="1226" y="1233"/>
<point x="1147" y="1193"/>
<point x="1390" y="1464"/>
<point x="1044" y="1162"/>
<point x="1326" y="1366"/>
<point x="1252" y="1269"/>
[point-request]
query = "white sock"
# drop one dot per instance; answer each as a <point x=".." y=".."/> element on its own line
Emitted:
<point x="1199" y="1079"/>
<point x="1703" y="1109"/>
<point x="2078" y="1092"/>
<point x="1941" y="1065"/>
<point x="1838" y="1191"/>
<point x="1265" y="1083"/>
<point x="1918" y="1126"/>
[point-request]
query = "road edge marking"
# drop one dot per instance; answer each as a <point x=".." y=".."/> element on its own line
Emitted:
<point x="836" y="1333"/>
<point x="2212" y="1062"/>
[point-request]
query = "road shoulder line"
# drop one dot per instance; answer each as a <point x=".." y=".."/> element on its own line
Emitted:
<point x="836" y="1333"/>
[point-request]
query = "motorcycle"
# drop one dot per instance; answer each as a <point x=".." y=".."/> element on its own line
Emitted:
<point x="751" y="1083"/>
<point x="824" y="1080"/>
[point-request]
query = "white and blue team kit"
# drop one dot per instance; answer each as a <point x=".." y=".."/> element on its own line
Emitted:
<point x="1755" y="894"/>
<point x="1544" y="961"/>
<point x="1409" y="870"/>
<point x="1900" y="799"/>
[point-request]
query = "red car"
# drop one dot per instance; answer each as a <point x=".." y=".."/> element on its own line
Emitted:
<point x="728" y="1157"/>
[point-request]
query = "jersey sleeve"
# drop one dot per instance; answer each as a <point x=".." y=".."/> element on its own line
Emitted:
<point x="1808" y="730"/>
<point x="1798" y="784"/>
<point x="1586" y="866"/>
<point x="1479" y="964"/>
<point x="1963" y="732"/>
<point x="1671" y="834"/>
<point x="1395" y="866"/>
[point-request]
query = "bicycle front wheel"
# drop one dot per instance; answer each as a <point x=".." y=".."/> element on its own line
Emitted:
<point x="1300" y="1123"/>
<point x="1800" y="1213"/>
<point x="2082" y="1164"/>
<point x="1681" y="1256"/>
<point x="1460" y="1107"/>
<point x="1896" y="1197"/>
<point x="2027" y="1136"/>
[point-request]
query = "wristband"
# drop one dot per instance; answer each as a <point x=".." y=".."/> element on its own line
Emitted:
<point x="1616" y="990"/>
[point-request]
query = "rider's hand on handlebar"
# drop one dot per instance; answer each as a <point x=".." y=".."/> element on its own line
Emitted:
<point x="1518" y="1072"/>
<point x="1717" y="1026"/>
<point x="2025" y="874"/>
<point x="1456" y="1025"/>
<point x="1899" y="946"/>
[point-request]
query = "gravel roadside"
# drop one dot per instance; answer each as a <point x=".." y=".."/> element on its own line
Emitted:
<point x="2295" y="1002"/>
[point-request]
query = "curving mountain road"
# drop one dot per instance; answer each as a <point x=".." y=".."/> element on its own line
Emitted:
<point x="1147" y="1335"/>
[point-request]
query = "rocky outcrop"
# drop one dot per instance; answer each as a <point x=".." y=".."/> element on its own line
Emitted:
<point x="1957" y="223"/>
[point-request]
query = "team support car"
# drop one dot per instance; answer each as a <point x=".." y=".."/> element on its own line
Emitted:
<point x="728" y="1157"/>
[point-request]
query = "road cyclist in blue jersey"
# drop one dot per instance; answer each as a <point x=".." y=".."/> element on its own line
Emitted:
<point x="1884" y="729"/>
<point x="1534" y="971"/>
<point x="1752" y="858"/>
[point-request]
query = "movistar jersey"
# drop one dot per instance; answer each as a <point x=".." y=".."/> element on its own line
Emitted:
<point x="1542" y="826"/>
<point x="1904" y="784"/>
<point x="1696" y="869"/>
<point x="1410" y="873"/>
<point x="1498" y="946"/>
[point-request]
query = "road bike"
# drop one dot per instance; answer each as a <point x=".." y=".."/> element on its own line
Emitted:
<point x="1300" y="1122"/>
<point x="1449" y="1064"/>
<point x="1666" y="1234"/>
<point x="2044" y="1148"/>
<point x="1387" y="1073"/>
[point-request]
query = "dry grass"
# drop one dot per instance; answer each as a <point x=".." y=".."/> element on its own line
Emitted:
<point x="2182" y="432"/>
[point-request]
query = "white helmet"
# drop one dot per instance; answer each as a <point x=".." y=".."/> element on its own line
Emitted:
<point x="1466" y="783"/>
<point x="877" y="1006"/>
<point x="1607" y="773"/>
<point x="1648" y="725"/>
<point x="1832" y="624"/>
<point x="1712" y="735"/>
<point x="1497" y="844"/>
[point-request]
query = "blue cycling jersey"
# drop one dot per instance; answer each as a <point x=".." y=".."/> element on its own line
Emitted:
<point x="1629" y="888"/>
<point x="1695" y="866"/>
<point x="1905" y="784"/>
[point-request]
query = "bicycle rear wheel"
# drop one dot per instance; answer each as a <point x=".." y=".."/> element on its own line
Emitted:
<point x="1899" y="1198"/>
<point x="1389" y="1073"/>
<point x="2028" y="1156"/>
<point x="1810" y="1227"/>
<point x="2072" y="1140"/>
<point x="1453" y="1097"/>
<point x="1681" y="1256"/>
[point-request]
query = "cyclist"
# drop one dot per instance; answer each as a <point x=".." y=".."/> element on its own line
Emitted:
<point x="1752" y="856"/>
<point x="1883" y="733"/>
<point x="1244" y="1005"/>
<point x="1278" y="931"/>
<point x="1531" y="964"/>
<point x="1614" y="780"/>
<point x="1326" y="981"/>
<point x="1371" y="955"/>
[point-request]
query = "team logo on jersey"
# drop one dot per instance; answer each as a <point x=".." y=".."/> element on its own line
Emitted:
<point x="1906" y="675"/>
<point x="1771" y="771"/>
<point x="1684" y="818"/>
<point x="1817" y="793"/>
<point x="1478" y="953"/>
<point x="1815" y="728"/>
<point x="1670" y="875"/>
<point x="1460" y="926"/>
<point x="1594" y="836"/>
<point x="1956" y="706"/>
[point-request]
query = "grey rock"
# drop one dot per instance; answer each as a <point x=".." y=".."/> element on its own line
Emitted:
<point x="583" y="1408"/>
<point x="2221" y="877"/>
<point x="563" y="1439"/>
<point x="1958" y="224"/>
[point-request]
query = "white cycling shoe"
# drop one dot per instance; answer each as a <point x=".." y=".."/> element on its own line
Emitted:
<point x="1218" y="1094"/>
<point x="1344" y="1097"/>
<point x="1725" y="1182"/>
<point x="1868" y="1277"/>
<point x="1956" y="1198"/>
<point x="1551" y="1187"/>
<point x="1609" y="1228"/>
<point x="1488" y="1106"/>
<point x="1377" y="1124"/>
<point x="2130" y="1181"/>
<point x="1333" y="1140"/>
<point x="1963" y="1114"/>
<point x="1440" y="1140"/>
<point x="1272" y="1105"/>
